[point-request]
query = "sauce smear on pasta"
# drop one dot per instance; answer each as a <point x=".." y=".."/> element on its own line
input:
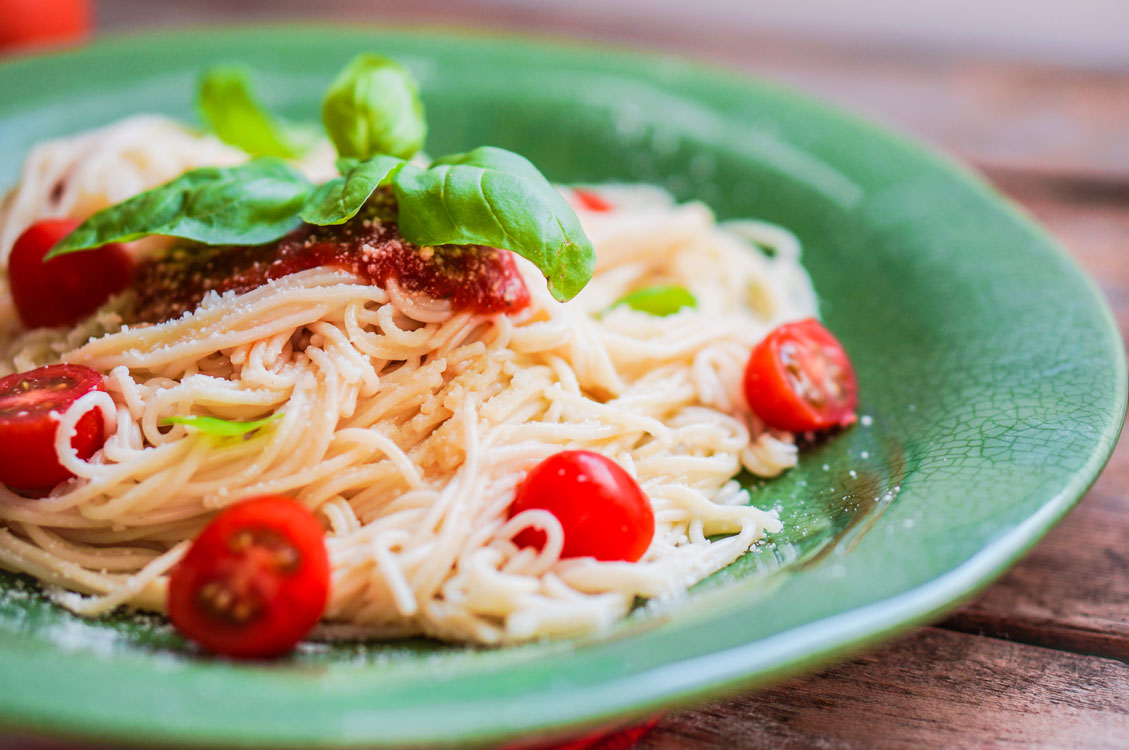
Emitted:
<point x="474" y="278"/>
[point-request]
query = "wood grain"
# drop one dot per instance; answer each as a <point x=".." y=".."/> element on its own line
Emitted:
<point x="935" y="688"/>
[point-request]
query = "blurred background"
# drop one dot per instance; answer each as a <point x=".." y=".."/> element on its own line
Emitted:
<point x="1083" y="32"/>
<point x="1074" y="32"/>
<point x="1002" y="83"/>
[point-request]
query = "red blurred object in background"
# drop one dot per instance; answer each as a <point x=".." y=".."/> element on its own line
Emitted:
<point x="620" y="739"/>
<point x="30" y="23"/>
<point x="624" y="739"/>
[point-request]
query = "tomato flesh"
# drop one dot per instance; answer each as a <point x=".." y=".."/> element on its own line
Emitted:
<point x="66" y="289"/>
<point x="28" y="401"/>
<point x="254" y="582"/>
<point x="800" y="379"/>
<point x="603" y="512"/>
<point x="591" y="201"/>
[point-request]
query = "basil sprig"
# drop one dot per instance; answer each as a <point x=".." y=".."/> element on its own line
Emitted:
<point x="487" y="196"/>
<point x="245" y="205"/>
<point x="228" y="106"/>
<point x="490" y="196"/>
<point x="374" y="108"/>
<point x="217" y="427"/>
<point x="339" y="200"/>
<point x="660" y="300"/>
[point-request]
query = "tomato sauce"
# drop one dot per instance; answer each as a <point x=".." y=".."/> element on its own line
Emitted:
<point x="472" y="277"/>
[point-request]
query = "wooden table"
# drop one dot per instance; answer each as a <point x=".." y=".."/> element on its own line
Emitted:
<point x="1040" y="658"/>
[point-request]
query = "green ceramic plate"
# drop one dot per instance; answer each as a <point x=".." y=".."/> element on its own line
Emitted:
<point x="992" y="376"/>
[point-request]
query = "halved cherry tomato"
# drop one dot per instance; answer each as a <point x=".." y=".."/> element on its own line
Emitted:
<point x="799" y="379"/>
<point x="28" y="400"/>
<point x="602" y="511"/>
<point x="66" y="289"/>
<point x="254" y="582"/>
<point x="591" y="201"/>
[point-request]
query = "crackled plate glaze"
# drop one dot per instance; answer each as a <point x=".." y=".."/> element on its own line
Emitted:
<point x="992" y="375"/>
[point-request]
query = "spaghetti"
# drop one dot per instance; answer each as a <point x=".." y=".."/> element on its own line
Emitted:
<point x="406" y="425"/>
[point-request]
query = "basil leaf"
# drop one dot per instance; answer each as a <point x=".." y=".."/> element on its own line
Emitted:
<point x="246" y="205"/>
<point x="341" y="198"/>
<point x="490" y="196"/>
<point x="344" y="165"/>
<point x="222" y="427"/>
<point x="374" y="108"/>
<point x="659" y="300"/>
<point x="228" y="106"/>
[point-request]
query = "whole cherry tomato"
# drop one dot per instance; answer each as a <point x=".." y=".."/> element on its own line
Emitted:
<point x="66" y="289"/>
<point x="602" y="511"/>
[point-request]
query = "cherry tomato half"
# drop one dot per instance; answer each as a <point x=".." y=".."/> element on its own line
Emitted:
<point x="799" y="379"/>
<point x="66" y="289"/>
<point x="602" y="511"/>
<point x="591" y="201"/>
<point x="28" y="460"/>
<point x="254" y="582"/>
